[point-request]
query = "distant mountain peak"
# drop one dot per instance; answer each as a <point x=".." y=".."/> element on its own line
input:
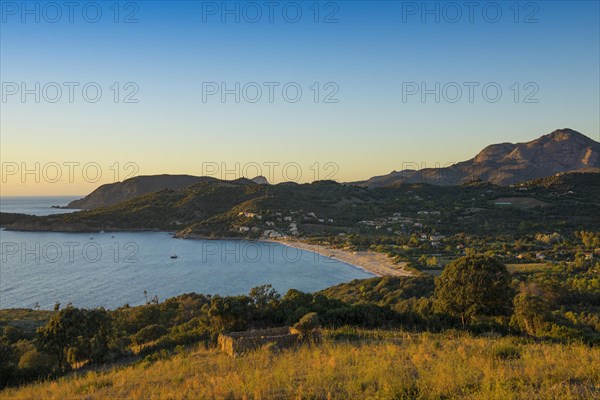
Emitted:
<point x="564" y="134"/>
<point x="261" y="180"/>
<point x="563" y="150"/>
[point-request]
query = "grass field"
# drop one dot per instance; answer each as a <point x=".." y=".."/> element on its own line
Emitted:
<point x="527" y="267"/>
<point x="350" y="364"/>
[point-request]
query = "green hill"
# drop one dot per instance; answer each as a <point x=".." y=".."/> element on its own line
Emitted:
<point x="243" y="208"/>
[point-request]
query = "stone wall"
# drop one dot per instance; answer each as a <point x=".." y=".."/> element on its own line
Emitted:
<point x="236" y="343"/>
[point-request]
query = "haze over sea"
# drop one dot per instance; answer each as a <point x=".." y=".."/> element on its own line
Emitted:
<point x="111" y="269"/>
<point x="35" y="205"/>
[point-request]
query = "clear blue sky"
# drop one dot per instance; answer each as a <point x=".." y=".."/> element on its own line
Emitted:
<point x="373" y="51"/>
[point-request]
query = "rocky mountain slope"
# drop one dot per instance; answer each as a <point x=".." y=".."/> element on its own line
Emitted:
<point x="563" y="150"/>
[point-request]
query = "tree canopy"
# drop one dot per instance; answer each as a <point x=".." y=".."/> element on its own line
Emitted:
<point x="474" y="285"/>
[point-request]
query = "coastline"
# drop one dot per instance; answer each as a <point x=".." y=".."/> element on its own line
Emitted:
<point x="376" y="263"/>
<point x="370" y="261"/>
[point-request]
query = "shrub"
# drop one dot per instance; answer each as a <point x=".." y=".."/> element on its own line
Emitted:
<point x="13" y="334"/>
<point x="35" y="363"/>
<point x="506" y="352"/>
<point x="532" y="314"/>
<point x="149" y="334"/>
<point x="308" y="323"/>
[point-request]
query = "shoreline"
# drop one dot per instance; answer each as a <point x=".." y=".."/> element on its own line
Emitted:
<point x="376" y="263"/>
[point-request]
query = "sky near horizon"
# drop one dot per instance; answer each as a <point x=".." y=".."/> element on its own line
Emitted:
<point x="291" y="90"/>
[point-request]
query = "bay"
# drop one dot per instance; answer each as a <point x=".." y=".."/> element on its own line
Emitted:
<point x="113" y="269"/>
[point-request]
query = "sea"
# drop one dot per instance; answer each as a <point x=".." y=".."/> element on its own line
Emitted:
<point x="111" y="269"/>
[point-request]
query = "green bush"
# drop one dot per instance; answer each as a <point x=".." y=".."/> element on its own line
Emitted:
<point x="35" y="363"/>
<point x="308" y="323"/>
<point x="506" y="352"/>
<point x="148" y="334"/>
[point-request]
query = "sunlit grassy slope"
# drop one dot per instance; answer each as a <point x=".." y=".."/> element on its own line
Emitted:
<point x="350" y="364"/>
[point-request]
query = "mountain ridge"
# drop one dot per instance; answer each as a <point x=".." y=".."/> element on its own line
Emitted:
<point x="562" y="202"/>
<point x="563" y="150"/>
<point x="117" y="192"/>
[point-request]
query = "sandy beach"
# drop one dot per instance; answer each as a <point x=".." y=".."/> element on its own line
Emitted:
<point x="376" y="263"/>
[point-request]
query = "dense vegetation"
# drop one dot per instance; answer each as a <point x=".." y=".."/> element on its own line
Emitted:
<point x="561" y="204"/>
<point x="557" y="303"/>
<point x="505" y="321"/>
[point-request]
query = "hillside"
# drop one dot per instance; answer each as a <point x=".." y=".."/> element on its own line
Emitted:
<point x="243" y="208"/>
<point x="360" y="364"/>
<point x="383" y="291"/>
<point x="563" y="150"/>
<point x="113" y="193"/>
<point x="503" y="164"/>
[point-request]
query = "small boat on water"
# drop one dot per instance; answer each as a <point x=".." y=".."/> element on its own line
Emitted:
<point x="91" y="236"/>
<point x="173" y="256"/>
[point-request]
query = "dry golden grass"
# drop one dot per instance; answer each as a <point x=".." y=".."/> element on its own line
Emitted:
<point x="381" y="365"/>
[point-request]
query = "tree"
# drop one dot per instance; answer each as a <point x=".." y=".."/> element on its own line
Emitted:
<point x="531" y="314"/>
<point x="532" y="310"/>
<point x="189" y="307"/>
<point x="61" y="332"/>
<point x="474" y="285"/>
<point x="8" y="366"/>
<point x="95" y="334"/>
<point x="432" y="261"/>
<point x="76" y="335"/>
<point x="264" y="295"/>
<point x="229" y="313"/>
<point x="265" y="300"/>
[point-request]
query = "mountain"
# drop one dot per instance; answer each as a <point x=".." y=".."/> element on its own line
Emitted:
<point x="505" y="164"/>
<point x="502" y="164"/>
<point x="261" y="180"/>
<point x="113" y="193"/>
<point x="242" y="208"/>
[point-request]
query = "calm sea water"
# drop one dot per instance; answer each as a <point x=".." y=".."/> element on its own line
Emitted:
<point x="35" y="205"/>
<point x="112" y="269"/>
